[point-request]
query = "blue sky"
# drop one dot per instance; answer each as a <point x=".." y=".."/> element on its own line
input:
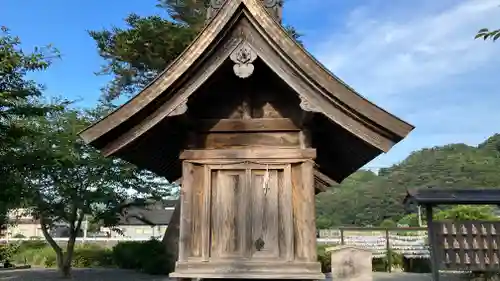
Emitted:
<point x="416" y="59"/>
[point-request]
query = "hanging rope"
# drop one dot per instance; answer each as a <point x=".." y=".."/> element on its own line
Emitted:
<point x="265" y="184"/>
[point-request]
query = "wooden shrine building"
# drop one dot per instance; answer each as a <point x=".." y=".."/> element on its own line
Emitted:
<point x="255" y="126"/>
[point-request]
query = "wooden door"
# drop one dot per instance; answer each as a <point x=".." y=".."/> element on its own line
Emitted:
<point x="228" y="189"/>
<point x="250" y="212"/>
<point x="265" y="188"/>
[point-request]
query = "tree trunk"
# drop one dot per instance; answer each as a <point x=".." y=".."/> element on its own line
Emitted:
<point x="65" y="269"/>
<point x="171" y="237"/>
<point x="59" y="252"/>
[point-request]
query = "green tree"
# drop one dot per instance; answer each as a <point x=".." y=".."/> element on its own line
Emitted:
<point x="388" y="223"/>
<point x="137" y="54"/>
<point x="456" y="213"/>
<point x="17" y="94"/>
<point x="410" y="220"/>
<point x="467" y="212"/>
<point x="380" y="197"/>
<point x="77" y="181"/>
<point x="486" y="33"/>
<point x="332" y="206"/>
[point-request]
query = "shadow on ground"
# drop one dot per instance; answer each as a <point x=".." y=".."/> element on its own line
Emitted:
<point x="77" y="275"/>
<point x="125" y="275"/>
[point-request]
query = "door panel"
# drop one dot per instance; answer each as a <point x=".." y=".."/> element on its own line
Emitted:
<point x="264" y="213"/>
<point x="227" y="213"/>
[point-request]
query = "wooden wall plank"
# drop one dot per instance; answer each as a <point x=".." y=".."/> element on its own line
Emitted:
<point x="251" y="153"/>
<point x="246" y="125"/>
<point x="247" y="140"/>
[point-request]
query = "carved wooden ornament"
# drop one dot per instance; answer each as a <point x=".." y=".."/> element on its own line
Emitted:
<point x="243" y="57"/>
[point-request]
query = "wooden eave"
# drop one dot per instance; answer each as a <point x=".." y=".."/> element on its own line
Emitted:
<point x="335" y="99"/>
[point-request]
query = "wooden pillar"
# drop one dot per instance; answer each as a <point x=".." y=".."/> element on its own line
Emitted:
<point x="432" y="243"/>
<point x="288" y="213"/>
<point x="308" y="211"/>
<point x="205" y="220"/>
<point x="186" y="198"/>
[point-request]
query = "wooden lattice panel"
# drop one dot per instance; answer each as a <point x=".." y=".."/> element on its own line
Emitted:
<point x="468" y="245"/>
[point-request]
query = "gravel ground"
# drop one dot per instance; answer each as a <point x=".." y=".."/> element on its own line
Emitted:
<point x="124" y="275"/>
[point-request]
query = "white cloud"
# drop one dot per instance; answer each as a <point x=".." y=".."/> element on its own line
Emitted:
<point x="409" y="56"/>
<point x="382" y="56"/>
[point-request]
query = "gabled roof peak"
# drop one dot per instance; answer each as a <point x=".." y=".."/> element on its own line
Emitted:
<point x="273" y="7"/>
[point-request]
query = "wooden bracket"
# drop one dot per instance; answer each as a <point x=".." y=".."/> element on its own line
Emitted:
<point x="180" y="109"/>
<point x="306" y="105"/>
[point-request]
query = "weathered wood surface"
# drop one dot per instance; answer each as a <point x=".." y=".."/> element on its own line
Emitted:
<point x="258" y="154"/>
<point x="256" y="217"/>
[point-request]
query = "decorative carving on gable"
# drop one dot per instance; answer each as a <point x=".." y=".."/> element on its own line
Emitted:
<point x="213" y="6"/>
<point x="274" y="7"/>
<point x="243" y="57"/>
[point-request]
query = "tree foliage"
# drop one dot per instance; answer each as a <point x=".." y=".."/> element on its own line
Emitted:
<point x="138" y="53"/>
<point x="486" y="33"/>
<point x="466" y="212"/>
<point x="379" y="197"/>
<point x="17" y="96"/>
<point x="46" y="167"/>
<point x="77" y="181"/>
<point x="454" y="213"/>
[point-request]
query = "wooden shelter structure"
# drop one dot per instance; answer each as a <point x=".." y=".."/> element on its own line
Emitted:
<point x="447" y="239"/>
<point x="255" y="126"/>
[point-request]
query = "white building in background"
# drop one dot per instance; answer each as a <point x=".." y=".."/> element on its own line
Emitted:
<point x="132" y="223"/>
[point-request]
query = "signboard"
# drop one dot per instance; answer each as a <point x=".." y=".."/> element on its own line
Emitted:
<point x="468" y="245"/>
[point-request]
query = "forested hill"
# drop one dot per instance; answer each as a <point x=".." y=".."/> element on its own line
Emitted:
<point x="367" y="199"/>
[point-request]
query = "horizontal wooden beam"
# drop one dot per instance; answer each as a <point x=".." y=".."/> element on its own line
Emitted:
<point x="252" y="153"/>
<point x="246" y="125"/>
